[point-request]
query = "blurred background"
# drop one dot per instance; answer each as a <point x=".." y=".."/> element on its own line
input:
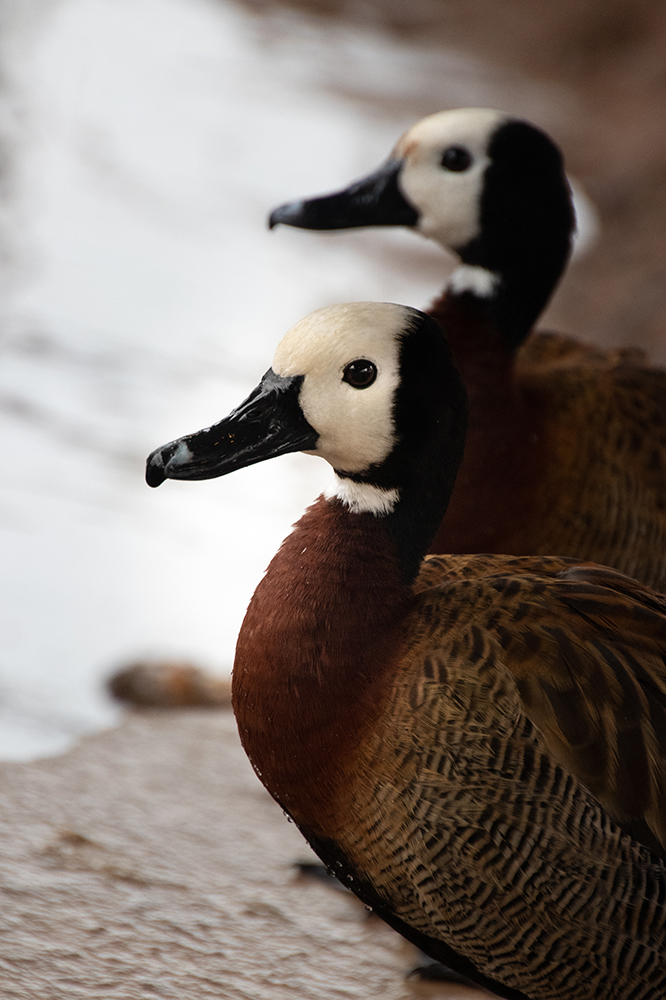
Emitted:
<point x="142" y="145"/>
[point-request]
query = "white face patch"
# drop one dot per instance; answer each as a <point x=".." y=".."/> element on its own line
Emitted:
<point x="363" y="498"/>
<point x="477" y="280"/>
<point x="448" y="201"/>
<point x="355" y="426"/>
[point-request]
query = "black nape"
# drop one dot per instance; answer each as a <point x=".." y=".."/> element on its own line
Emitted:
<point x="526" y="225"/>
<point x="430" y="419"/>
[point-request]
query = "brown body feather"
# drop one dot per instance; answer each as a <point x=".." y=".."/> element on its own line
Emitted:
<point x="566" y="449"/>
<point x="418" y="738"/>
<point x="294" y="713"/>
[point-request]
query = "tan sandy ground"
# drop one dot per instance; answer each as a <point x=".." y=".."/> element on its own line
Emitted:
<point x="150" y="862"/>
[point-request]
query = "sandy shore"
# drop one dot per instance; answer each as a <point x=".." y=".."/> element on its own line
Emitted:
<point x="150" y="862"/>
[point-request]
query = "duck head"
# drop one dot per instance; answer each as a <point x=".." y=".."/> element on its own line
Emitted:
<point x="371" y="388"/>
<point x="487" y="186"/>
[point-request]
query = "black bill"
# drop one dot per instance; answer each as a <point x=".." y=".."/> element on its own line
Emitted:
<point x="268" y="423"/>
<point x="374" y="201"/>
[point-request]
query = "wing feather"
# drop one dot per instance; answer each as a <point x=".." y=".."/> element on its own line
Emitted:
<point x="586" y="647"/>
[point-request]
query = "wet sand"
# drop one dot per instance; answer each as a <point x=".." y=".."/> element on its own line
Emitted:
<point x="150" y="862"/>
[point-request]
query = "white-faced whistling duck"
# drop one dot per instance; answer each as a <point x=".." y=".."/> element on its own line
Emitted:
<point x="476" y="745"/>
<point x="566" y="449"/>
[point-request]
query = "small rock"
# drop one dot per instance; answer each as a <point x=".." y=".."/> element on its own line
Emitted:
<point x="169" y="685"/>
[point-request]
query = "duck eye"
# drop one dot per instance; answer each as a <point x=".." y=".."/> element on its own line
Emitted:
<point x="456" y="159"/>
<point x="360" y="374"/>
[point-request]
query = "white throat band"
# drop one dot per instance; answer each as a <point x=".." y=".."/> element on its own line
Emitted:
<point x="471" y="278"/>
<point x="363" y="498"/>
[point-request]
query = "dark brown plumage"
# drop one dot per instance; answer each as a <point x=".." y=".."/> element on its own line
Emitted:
<point x="450" y="782"/>
<point x="566" y="449"/>
<point x="476" y="748"/>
